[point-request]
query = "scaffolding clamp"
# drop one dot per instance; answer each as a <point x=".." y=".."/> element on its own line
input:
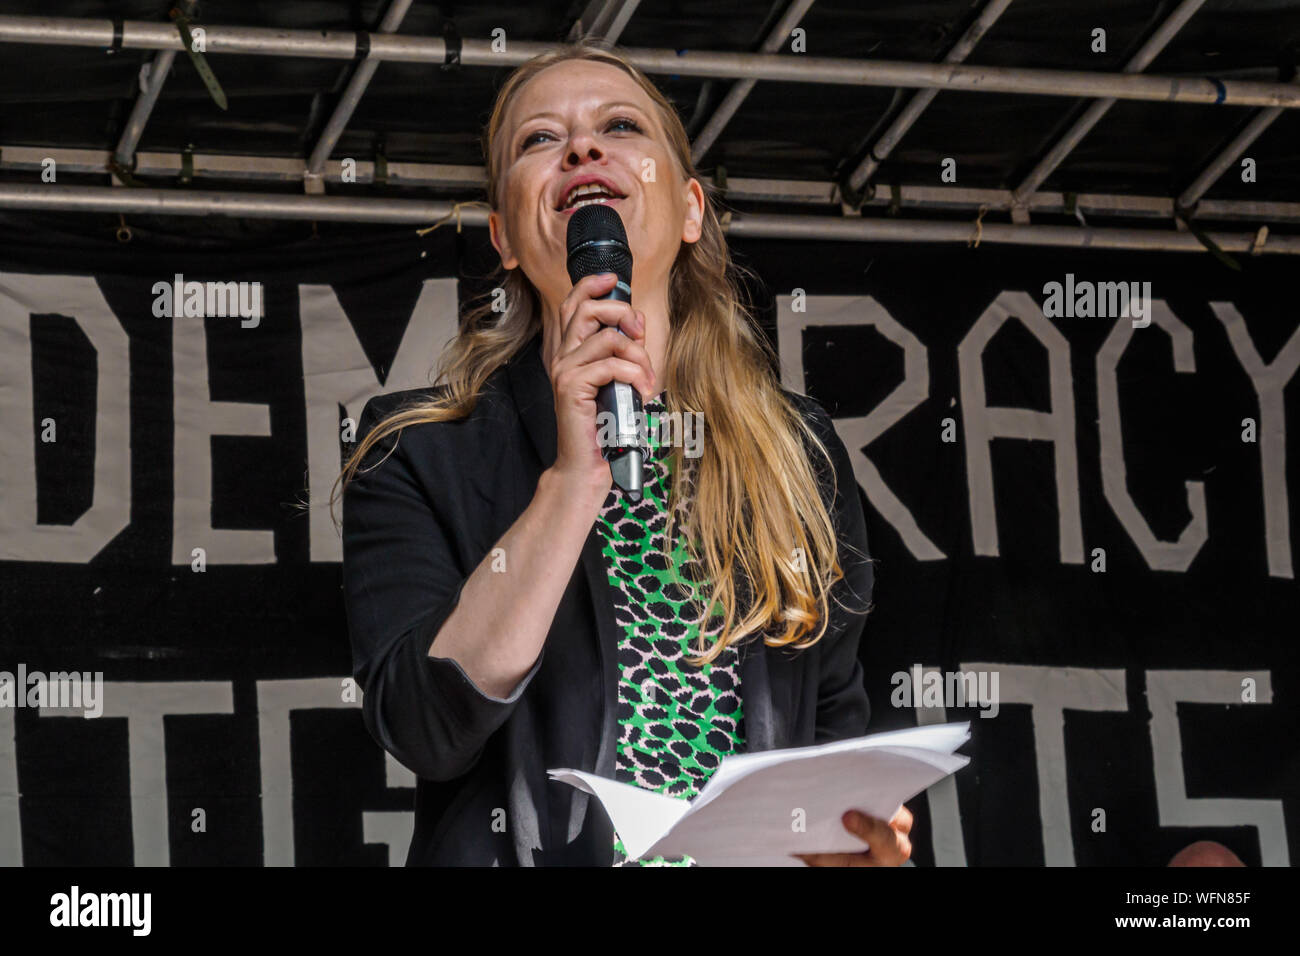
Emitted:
<point x="451" y="40"/>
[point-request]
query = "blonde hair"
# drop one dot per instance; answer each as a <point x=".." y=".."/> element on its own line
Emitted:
<point x="759" y="529"/>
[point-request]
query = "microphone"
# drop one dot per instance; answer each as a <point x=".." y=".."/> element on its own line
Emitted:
<point x="597" y="242"/>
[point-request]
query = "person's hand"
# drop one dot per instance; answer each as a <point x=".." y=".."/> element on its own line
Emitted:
<point x="888" y="843"/>
<point x="587" y="356"/>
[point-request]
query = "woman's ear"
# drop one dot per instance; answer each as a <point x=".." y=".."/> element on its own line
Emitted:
<point x="693" y="227"/>
<point x="500" y="242"/>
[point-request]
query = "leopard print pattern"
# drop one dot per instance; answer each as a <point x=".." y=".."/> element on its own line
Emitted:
<point x="677" y="720"/>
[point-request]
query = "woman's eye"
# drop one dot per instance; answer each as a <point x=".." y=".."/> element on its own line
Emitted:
<point x="529" y="139"/>
<point x="623" y="122"/>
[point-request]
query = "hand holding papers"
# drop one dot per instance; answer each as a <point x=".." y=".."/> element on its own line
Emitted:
<point x="757" y="809"/>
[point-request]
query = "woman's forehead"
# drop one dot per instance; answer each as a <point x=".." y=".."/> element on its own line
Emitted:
<point x="588" y="79"/>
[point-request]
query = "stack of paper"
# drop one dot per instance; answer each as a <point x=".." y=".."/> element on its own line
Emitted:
<point x="757" y="809"/>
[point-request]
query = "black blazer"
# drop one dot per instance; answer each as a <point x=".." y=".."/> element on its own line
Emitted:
<point x="417" y="525"/>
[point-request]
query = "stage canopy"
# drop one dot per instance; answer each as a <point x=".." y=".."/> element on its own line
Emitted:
<point x="1049" y="122"/>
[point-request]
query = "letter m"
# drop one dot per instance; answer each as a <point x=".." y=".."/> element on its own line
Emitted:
<point x="1112" y="299"/>
<point x="222" y="298"/>
<point x="339" y="379"/>
<point x="118" y="905"/>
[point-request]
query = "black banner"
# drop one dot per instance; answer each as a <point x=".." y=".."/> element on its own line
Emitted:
<point x="1076" y="475"/>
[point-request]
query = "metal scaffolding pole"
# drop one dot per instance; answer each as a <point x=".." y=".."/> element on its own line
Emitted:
<point x="470" y="180"/>
<point x="741" y="89"/>
<point x="882" y="147"/>
<point x="201" y="202"/>
<point x="1084" y="124"/>
<point x="1210" y="175"/>
<point x="604" y="19"/>
<point x="171" y="202"/>
<point x="857" y="229"/>
<point x="356" y="88"/>
<point x="158" y="68"/>
<point x="758" y="66"/>
<point x="271" y="169"/>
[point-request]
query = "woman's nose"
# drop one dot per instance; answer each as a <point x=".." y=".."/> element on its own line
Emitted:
<point x="582" y="147"/>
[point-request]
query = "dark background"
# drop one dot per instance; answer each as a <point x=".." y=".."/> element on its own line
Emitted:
<point x="134" y="616"/>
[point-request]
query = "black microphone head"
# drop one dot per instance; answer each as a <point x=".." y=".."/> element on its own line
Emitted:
<point x="597" y="242"/>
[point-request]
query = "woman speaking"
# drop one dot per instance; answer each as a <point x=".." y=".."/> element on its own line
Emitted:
<point x="510" y="609"/>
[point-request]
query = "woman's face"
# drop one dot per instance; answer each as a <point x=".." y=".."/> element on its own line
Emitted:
<point x="577" y="121"/>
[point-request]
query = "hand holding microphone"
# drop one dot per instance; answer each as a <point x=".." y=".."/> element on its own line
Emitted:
<point x="601" y="352"/>
<point x="602" y="367"/>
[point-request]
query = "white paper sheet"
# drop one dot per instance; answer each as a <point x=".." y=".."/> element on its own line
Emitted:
<point x="758" y="809"/>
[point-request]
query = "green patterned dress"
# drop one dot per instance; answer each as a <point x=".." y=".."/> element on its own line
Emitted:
<point x="677" y="721"/>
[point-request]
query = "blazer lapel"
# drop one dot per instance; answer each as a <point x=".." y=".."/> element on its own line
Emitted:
<point x="534" y="398"/>
<point x="756" y="697"/>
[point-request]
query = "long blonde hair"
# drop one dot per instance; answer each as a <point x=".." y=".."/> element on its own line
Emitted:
<point x="759" y="530"/>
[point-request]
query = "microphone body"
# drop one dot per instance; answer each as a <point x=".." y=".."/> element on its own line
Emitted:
<point x="597" y="242"/>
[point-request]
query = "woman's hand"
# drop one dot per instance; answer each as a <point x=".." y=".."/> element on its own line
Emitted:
<point x="888" y="842"/>
<point x="587" y="357"/>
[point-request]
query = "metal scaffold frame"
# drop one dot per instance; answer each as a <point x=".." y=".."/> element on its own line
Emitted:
<point x="607" y="19"/>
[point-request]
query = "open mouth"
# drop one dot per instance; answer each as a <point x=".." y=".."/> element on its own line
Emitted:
<point x="586" y="194"/>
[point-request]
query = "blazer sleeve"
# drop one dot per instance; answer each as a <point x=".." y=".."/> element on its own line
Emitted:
<point x="843" y="709"/>
<point x="402" y="578"/>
